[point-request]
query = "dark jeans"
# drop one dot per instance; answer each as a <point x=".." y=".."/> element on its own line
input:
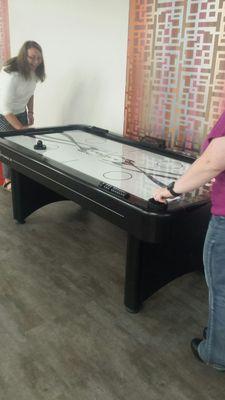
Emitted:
<point x="4" y="127"/>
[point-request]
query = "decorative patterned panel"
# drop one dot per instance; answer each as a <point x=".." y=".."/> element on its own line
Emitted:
<point x="175" y="85"/>
<point x="4" y="32"/>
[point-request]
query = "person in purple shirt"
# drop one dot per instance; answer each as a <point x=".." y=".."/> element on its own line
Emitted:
<point x="210" y="349"/>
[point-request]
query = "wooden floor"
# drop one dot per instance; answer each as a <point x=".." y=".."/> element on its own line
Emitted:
<point x="64" y="331"/>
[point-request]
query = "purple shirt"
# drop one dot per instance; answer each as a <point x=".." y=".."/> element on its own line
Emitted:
<point x="218" y="188"/>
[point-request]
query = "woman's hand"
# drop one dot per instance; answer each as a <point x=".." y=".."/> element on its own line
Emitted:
<point x="30" y="116"/>
<point x="23" y="128"/>
<point x="162" y="195"/>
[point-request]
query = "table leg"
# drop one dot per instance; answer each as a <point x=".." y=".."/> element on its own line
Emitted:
<point x="150" y="266"/>
<point x="29" y="195"/>
<point x="132" y="296"/>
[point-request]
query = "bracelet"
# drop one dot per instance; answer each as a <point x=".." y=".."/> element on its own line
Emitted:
<point x="30" y="112"/>
<point x="170" y="189"/>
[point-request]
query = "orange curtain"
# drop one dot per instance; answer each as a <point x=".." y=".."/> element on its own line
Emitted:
<point x="175" y="86"/>
<point x="4" y="32"/>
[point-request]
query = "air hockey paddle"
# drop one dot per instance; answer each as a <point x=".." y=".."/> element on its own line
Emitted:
<point x="39" y="145"/>
<point x="154" y="205"/>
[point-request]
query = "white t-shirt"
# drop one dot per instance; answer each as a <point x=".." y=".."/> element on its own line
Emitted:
<point x="15" y="92"/>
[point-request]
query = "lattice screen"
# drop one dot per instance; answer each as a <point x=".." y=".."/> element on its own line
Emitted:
<point x="175" y="85"/>
<point x="4" y="32"/>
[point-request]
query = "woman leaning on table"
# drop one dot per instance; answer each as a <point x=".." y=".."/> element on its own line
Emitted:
<point x="18" y="79"/>
<point x="210" y="349"/>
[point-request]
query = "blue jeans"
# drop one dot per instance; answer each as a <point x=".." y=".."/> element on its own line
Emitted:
<point x="4" y="127"/>
<point x="212" y="350"/>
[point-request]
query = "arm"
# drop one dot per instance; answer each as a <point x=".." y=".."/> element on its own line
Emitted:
<point x="30" y="111"/>
<point x="12" y="120"/>
<point x="210" y="164"/>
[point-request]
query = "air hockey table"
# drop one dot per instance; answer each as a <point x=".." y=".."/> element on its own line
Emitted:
<point x="115" y="178"/>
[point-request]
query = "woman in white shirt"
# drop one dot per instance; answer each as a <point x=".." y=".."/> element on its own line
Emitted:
<point x="18" y="79"/>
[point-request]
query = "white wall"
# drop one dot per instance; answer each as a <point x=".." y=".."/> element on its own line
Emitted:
<point x="85" y="48"/>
